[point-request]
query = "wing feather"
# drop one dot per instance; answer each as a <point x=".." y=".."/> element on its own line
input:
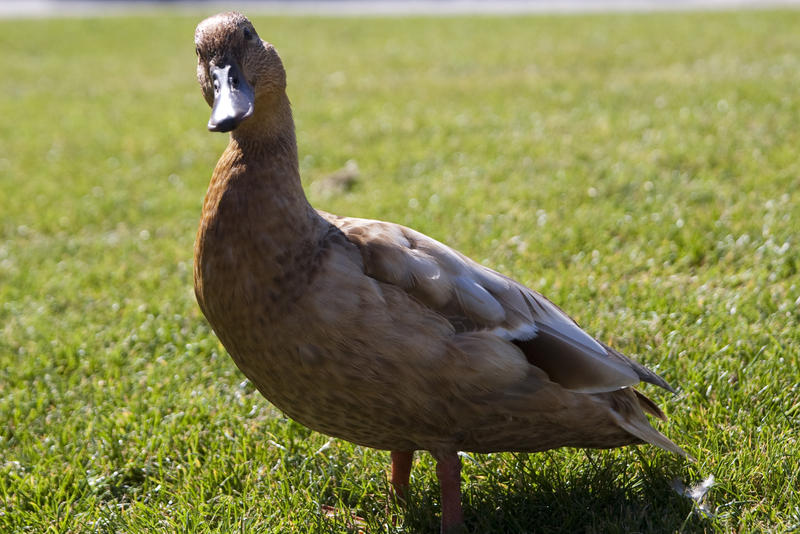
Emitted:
<point x="476" y="299"/>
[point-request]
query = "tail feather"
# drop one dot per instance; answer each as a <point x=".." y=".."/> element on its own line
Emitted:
<point x="645" y="432"/>
<point x="631" y="417"/>
<point x="649" y="406"/>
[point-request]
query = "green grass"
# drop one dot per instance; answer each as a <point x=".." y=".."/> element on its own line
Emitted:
<point x="640" y="170"/>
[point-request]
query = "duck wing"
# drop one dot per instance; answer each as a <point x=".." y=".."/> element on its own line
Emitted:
<point x="474" y="298"/>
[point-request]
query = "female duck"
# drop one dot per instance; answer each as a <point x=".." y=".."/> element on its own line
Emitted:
<point x="372" y="332"/>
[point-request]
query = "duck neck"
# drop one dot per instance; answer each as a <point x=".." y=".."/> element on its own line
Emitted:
<point x="269" y="133"/>
<point x="266" y="144"/>
<point x="261" y="161"/>
<point x="256" y="216"/>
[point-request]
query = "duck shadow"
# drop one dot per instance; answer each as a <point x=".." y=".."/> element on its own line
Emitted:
<point x="610" y="497"/>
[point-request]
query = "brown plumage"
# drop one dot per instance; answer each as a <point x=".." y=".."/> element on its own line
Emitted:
<point x="370" y="331"/>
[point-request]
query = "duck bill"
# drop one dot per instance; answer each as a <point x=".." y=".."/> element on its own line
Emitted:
<point x="233" y="98"/>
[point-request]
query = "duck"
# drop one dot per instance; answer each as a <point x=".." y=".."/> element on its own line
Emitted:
<point x="372" y="332"/>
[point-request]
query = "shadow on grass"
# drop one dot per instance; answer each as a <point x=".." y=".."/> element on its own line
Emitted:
<point x="610" y="497"/>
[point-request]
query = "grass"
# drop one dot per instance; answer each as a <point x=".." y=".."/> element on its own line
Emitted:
<point x="640" y="170"/>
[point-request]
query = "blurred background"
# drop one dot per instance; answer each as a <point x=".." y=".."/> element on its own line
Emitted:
<point x="49" y="7"/>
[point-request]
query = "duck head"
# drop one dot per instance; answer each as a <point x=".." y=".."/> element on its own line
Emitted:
<point x="235" y="68"/>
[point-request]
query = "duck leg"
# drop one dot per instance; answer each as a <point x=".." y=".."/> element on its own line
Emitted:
<point x="401" y="471"/>
<point x="448" y="470"/>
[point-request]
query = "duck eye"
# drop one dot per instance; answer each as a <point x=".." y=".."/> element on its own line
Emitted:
<point x="248" y="35"/>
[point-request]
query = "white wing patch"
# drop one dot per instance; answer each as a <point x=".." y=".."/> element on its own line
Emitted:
<point x="523" y="332"/>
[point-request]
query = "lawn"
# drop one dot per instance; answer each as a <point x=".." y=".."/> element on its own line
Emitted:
<point x="640" y="170"/>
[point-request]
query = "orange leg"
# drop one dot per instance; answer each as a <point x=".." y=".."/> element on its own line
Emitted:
<point x="401" y="471"/>
<point x="448" y="469"/>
